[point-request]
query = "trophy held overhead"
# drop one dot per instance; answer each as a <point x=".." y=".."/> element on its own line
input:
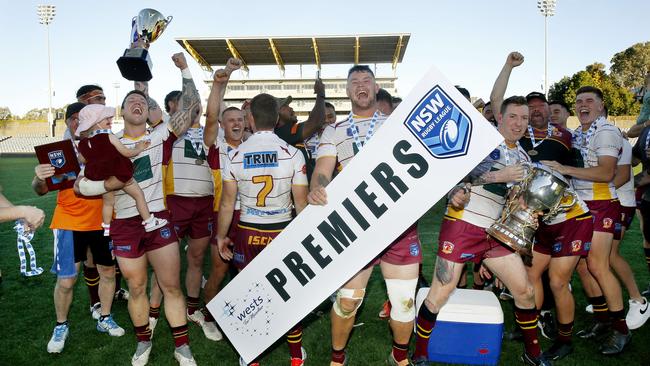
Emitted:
<point x="136" y="64"/>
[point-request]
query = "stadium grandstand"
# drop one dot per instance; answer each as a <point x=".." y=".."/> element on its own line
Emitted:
<point x="301" y="51"/>
<point x="19" y="138"/>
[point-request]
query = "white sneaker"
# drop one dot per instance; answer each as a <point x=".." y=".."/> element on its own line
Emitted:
<point x="196" y="317"/>
<point x="121" y="294"/>
<point x="141" y="355"/>
<point x="638" y="314"/>
<point x="108" y="325"/>
<point x="96" y="311"/>
<point x="153" y="223"/>
<point x="590" y="309"/>
<point x="152" y="325"/>
<point x="57" y="342"/>
<point x="211" y="331"/>
<point x="183" y="355"/>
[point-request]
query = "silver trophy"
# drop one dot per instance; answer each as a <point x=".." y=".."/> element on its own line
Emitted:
<point x="146" y="27"/>
<point x="541" y="195"/>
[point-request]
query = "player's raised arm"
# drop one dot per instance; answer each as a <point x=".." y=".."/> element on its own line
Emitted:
<point x="501" y="83"/>
<point x="215" y="100"/>
<point x="189" y="104"/>
<point x="316" y="118"/>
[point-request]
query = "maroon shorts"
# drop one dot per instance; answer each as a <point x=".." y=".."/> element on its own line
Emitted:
<point x="233" y="231"/>
<point x="252" y="239"/>
<point x="191" y="215"/>
<point x="131" y="241"/>
<point x="406" y="249"/>
<point x="606" y="214"/>
<point x="625" y="219"/>
<point x="461" y="242"/>
<point x="565" y="239"/>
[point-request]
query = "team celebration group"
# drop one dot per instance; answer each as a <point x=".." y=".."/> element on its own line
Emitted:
<point x="231" y="185"/>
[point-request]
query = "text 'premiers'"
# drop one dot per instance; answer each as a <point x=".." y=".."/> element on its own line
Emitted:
<point x="335" y="231"/>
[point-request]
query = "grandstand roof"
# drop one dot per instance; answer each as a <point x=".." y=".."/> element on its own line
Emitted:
<point x="299" y="50"/>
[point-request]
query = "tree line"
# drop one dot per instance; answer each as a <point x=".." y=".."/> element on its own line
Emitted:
<point x="621" y="85"/>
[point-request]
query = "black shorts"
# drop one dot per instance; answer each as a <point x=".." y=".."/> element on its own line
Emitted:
<point x="99" y="247"/>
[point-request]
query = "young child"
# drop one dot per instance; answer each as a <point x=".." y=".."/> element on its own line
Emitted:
<point x="108" y="160"/>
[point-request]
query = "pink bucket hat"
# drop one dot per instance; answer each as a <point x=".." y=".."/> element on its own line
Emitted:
<point x="92" y="114"/>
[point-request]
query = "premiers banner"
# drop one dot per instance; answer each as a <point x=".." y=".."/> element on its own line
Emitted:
<point x="433" y="139"/>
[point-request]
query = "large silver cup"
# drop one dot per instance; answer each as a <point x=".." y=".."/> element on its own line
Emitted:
<point x="147" y="26"/>
<point x="542" y="192"/>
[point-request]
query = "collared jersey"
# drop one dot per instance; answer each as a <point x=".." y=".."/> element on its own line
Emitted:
<point x="605" y="141"/>
<point x="486" y="201"/>
<point x="337" y="138"/>
<point x="147" y="171"/>
<point x="265" y="168"/>
<point x="188" y="172"/>
<point x="556" y="147"/>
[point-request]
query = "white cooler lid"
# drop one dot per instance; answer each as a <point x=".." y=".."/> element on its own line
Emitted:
<point x="467" y="306"/>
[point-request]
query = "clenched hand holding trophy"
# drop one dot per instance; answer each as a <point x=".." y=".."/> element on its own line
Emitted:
<point x="136" y="64"/>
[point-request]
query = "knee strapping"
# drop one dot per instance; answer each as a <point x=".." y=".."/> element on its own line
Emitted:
<point x="354" y="295"/>
<point x="402" y="299"/>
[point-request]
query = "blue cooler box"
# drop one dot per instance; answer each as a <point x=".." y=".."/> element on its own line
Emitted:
<point x="468" y="330"/>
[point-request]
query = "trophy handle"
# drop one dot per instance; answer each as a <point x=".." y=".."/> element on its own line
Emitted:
<point x="169" y="19"/>
<point x="572" y="200"/>
<point x="562" y="207"/>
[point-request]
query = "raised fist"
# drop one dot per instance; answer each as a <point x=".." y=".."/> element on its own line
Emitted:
<point x="319" y="87"/>
<point x="179" y="60"/>
<point x="233" y="64"/>
<point x="515" y="59"/>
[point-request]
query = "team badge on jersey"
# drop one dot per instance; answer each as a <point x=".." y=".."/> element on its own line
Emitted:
<point x="607" y="223"/>
<point x="447" y="247"/>
<point x="57" y="159"/>
<point x="440" y="125"/>
<point x="495" y="154"/>
<point x="576" y="245"/>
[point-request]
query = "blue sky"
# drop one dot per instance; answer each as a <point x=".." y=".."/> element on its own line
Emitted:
<point x="467" y="40"/>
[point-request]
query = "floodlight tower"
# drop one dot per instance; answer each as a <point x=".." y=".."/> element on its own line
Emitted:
<point x="46" y="16"/>
<point x="547" y="8"/>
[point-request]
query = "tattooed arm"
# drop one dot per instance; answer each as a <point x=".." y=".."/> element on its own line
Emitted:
<point x="321" y="177"/>
<point x="511" y="173"/>
<point x="189" y="104"/>
<point x="499" y="89"/>
<point x="215" y="99"/>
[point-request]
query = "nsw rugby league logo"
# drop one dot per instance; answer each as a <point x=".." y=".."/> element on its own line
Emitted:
<point x="57" y="158"/>
<point x="440" y="125"/>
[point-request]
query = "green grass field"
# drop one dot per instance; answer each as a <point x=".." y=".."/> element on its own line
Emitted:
<point x="27" y="310"/>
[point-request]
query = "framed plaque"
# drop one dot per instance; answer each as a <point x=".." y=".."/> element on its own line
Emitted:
<point x="62" y="156"/>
